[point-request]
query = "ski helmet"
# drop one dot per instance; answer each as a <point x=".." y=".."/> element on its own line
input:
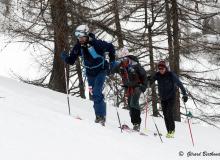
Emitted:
<point x="81" y="31"/>
<point x="123" y="52"/>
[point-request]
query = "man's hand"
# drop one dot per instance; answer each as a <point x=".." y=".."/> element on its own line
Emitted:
<point x="64" y="56"/>
<point x="185" y="98"/>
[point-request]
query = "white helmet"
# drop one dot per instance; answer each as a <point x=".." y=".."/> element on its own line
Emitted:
<point x="123" y="52"/>
<point x="81" y="31"/>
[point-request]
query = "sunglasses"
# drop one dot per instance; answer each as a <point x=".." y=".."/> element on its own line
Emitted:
<point x="161" y="69"/>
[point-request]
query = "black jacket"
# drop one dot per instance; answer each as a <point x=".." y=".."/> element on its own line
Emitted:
<point x="167" y="85"/>
<point x="101" y="47"/>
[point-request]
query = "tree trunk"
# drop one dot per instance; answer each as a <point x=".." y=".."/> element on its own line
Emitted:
<point x="176" y="55"/>
<point x="120" y="45"/>
<point x="151" y="56"/>
<point x="153" y="88"/>
<point x="59" y="21"/>
<point x="75" y="22"/>
<point x="169" y="34"/>
<point x="80" y="77"/>
<point x="117" y="24"/>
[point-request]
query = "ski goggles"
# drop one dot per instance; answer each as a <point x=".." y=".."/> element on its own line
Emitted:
<point x="79" y="34"/>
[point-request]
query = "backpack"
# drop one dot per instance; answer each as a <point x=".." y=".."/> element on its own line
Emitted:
<point x="132" y="57"/>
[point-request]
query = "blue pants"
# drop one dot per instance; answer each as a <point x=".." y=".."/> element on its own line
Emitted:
<point x="97" y="83"/>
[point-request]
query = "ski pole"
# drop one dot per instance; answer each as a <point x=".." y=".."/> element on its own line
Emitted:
<point x="190" y="130"/>
<point x="116" y="105"/>
<point x="146" y="110"/>
<point x="119" y="119"/>
<point x="157" y="130"/>
<point x="67" y="92"/>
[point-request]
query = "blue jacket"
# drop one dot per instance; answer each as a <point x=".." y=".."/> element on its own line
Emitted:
<point x="93" y="65"/>
<point x="167" y="85"/>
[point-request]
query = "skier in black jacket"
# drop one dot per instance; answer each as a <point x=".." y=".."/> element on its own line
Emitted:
<point x="134" y="81"/>
<point x="167" y="86"/>
<point x="93" y="52"/>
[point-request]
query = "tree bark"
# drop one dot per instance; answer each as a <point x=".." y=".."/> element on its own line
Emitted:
<point x="75" y="22"/>
<point x="151" y="56"/>
<point x="169" y="34"/>
<point x="176" y="55"/>
<point x="117" y="24"/>
<point x="59" y="21"/>
<point x="153" y="88"/>
<point x="120" y="45"/>
<point x="80" y="77"/>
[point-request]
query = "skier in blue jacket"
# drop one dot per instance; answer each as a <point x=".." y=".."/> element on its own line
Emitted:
<point x="167" y="86"/>
<point x="93" y="52"/>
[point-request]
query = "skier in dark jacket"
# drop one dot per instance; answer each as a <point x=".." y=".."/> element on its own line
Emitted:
<point x="93" y="52"/>
<point x="134" y="80"/>
<point x="167" y="86"/>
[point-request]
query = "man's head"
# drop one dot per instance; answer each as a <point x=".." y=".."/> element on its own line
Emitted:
<point x="125" y="62"/>
<point x="162" y="67"/>
<point x="82" y="33"/>
<point x="83" y="40"/>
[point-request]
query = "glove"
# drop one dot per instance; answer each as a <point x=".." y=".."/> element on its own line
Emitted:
<point x="64" y="56"/>
<point x="112" y="64"/>
<point x="185" y="98"/>
<point x="111" y="68"/>
<point x="142" y="88"/>
<point x="189" y="114"/>
<point x="124" y="86"/>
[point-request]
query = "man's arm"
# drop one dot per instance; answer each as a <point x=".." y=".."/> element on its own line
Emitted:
<point x="179" y="83"/>
<point x="151" y="77"/>
<point x="73" y="55"/>
<point x="108" y="47"/>
<point x="116" y="67"/>
<point x="143" y="74"/>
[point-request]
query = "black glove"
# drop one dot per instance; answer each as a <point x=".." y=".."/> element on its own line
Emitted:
<point x="142" y="88"/>
<point x="124" y="86"/>
<point x="64" y="56"/>
<point x="185" y="98"/>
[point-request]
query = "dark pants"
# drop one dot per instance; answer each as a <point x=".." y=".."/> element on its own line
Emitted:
<point x="167" y="107"/>
<point x="97" y="83"/>
<point x="134" y="107"/>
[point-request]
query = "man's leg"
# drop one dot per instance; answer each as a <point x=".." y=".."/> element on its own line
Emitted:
<point x="171" y="121"/>
<point x="98" y="97"/>
<point x="135" y="112"/>
<point x="164" y="105"/>
<point x="91" y="83"/>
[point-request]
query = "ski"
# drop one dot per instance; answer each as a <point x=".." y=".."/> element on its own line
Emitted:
<point x="126" y="128"/>
<point x="77" y="117"/>
<point x="156" y="134"/>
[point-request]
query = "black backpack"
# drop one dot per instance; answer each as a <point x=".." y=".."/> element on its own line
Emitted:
<point x="134" y="58"/>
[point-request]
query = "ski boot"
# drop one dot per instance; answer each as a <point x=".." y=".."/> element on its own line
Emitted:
<point x="100" y="119"/>
<point x="170" y="134"/>
<point x="125" y="127"/>
<point x="136" y="127"/>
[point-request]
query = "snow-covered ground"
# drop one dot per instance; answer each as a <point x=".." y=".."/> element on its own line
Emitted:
<point x="34" y="124"/>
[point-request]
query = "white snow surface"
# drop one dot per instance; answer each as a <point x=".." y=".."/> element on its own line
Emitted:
<point x="35" y="125"/>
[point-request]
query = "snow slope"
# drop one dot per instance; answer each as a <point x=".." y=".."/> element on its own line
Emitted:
<point x="35" y="125"/>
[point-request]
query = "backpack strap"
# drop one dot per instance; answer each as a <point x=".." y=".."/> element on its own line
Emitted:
<point x="94" y="55"/>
